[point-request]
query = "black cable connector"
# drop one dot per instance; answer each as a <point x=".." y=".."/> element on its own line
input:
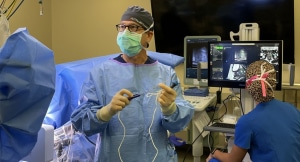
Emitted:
<point x="219" y="97"/>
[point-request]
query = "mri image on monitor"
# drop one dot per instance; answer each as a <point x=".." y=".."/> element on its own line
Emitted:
<point x="270" y="54"/>
<point x="196" y="55"/>
<point x="228" y="61"/>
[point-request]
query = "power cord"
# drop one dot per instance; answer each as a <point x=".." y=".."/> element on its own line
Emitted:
<point x="192" y="145"/>
<point x="230" y="97"/>
<point x="199" y="134"/>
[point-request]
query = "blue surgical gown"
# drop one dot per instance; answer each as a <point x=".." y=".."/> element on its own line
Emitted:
<point x="142" y="118"/>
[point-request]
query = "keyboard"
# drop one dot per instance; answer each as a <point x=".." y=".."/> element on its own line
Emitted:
<point x="221" y="127"/>
<point x="224" y="125"/>
<point x="201" y="103"/>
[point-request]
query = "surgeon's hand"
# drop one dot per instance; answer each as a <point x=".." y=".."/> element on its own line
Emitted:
<point x="118" y="103"/>
<point x="166" y="99"/>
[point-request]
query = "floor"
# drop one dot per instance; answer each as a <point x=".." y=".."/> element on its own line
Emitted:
<point x="184" y="156"/>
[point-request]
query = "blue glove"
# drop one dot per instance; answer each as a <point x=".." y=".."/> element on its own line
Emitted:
<point x="214" y="160"/>
<point x="176" y="141"/>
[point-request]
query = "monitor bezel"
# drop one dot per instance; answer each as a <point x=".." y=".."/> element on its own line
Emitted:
<point x="194" y="81"/>
<point x="241" y="84"/>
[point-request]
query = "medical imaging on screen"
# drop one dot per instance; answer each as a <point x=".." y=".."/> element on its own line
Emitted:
<point x="229" y="60"/>
<point x="196" y="57"/>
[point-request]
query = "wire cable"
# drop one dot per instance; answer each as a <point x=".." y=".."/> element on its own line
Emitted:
<point x="149" y="130"/>
<point x="2" y="5"/>
<point x="124" y="134"/>
<point x="9" y="16"/>
<point x="192" y="145"/>
<point x="151" y="127"/>
<point x="211" y="119"/>
<point x="11" y="5"/>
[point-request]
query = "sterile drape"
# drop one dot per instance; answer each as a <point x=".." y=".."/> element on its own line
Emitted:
<point x="27" y="82"/>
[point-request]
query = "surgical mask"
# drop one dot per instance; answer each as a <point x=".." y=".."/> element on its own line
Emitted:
<point x="130" y="42"/>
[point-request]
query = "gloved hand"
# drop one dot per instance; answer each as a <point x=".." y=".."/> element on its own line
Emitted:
<point x="176" y="141"/>
<point x="210" y="158"/>
<point x="214" y="160"/>
<point x="117" y="103"/>
<point x="166" y="99"/>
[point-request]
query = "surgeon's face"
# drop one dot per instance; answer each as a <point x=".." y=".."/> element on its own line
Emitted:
<point x="146" y="36"/>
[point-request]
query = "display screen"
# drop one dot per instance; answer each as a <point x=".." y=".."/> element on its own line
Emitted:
<point x="175" y="19"/>
<point x="228" y="61"/>
<point x="196" y="59"/>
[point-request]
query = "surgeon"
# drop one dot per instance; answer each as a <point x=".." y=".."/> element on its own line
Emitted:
<point x="132" y="101"/>
<point x="271" y="131"/>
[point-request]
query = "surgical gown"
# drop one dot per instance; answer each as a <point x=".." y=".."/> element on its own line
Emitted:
<point x="138" y="132"/>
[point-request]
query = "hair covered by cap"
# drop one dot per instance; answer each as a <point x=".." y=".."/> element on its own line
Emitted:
<point x="255" y="87"/>
<point x="138" y="15"/>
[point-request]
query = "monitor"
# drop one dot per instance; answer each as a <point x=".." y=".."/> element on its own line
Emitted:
<point x="196" y="59"/>
<point x="228" y="61"/>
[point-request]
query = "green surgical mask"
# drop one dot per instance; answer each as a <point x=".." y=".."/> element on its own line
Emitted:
<point x="129" y="42"/>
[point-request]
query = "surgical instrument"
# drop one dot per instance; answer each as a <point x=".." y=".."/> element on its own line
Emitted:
<point x="138" y="95"/>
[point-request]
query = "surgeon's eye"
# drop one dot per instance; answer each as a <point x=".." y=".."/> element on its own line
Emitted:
<point x="134" y="28"/>
<point x="131" y="28"/>
<point x="120" y="27"/>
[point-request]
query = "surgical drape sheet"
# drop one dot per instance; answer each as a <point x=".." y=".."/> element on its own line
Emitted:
<point x="70" y="77"/>
<point x="27" y="82"/>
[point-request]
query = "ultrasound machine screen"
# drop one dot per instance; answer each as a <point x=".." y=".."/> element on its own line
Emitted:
<point x="195" y="54"/>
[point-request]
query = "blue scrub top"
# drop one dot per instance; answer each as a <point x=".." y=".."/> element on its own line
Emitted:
<point x="270" y="132"/>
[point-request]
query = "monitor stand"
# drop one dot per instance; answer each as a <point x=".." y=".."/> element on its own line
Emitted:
<point x="247" y="101"/>
<point x="248" y="31"/>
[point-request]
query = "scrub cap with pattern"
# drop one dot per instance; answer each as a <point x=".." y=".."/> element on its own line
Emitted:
<point x="261" y="80"/>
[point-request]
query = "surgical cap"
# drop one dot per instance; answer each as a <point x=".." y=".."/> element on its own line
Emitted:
<point x="261" y="75"/>
<point x="138" y="15"/>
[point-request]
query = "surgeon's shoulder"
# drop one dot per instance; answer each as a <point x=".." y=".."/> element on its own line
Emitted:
<point x="246" y="121"/>
<point x="164" y="66"/>
<point x="104" y="64"/>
